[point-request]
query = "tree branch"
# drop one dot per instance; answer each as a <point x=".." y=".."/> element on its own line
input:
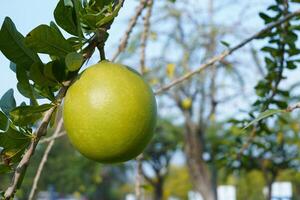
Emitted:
<point x="98" y="40"/>
<point x="132" y="23"/>
<point x="220" y="57"/>
<point x="145" y="36"/>
<point x="293" y="107"/>
<point x="138" y="181"/>
<point x="247" y="143"/>
<point x="42" y="128"/>
<point x="53" y="137"/>
<point x="44" y="160"/>
<point x="41" y="131"/>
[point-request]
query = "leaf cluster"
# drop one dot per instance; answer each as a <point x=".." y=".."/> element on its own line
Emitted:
<point x="65" y="42"/>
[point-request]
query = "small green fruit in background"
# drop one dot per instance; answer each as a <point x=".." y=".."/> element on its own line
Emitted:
<point x="109" y="113"/>
<point x="186" y="103"/>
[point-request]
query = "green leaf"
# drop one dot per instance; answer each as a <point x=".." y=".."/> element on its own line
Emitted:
<point x="45" y="92"/>
<point x="102" y="3"/>
<point x="4" y="169"/>
<point x="7" y="101"/>
<point x="13" y="143"/>
<point x="280" y="104"/>
<point x="90" y="20"/>
<point x="25" y="115"/>
<point x="4" y="122"/>
<point x="54" y="26"/>
<point x="290" y="38"/>
<point x="226" y="44"/>
<point x="110" y="16"/>
<point x="66" y="16"/>
<point x="264" y="115"/>
<point x="24" y="87"/>
<point x="271" y="50"/>
<point x="13" y="66"/>
<point x="68" y="3"/>
<point x="265" y="17"/>
<point x="74" y="61"/>
<point x="76" y="42"/>
<point x="36" y="74"/>
<point x="291" y="65"/>
<point x="13" y="47"/>
<point x="44" y="39"/>
<point x="274" y="8"/>
<point x="55" y="70"/>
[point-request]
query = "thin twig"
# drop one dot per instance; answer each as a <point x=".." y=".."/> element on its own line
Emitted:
<point x="220" y="57"/>
<point x="102" y="53"/>
<point x="139" y="175"/>
<point x="53" y="137"/>
<point x="247" y="143"/>
<point x="138" y="181"/>
<point x="131" y="25"/>
<point x="41" y="131"/>
<point x="253" y="133"/>
<point x="44" y="160"/>
<point x="145" y="35"/>
<point x="276" y="85"/>
<point x="293" y="107"/>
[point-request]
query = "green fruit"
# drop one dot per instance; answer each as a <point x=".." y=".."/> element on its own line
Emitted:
<point x="109" y="113"/>
<point x="186" y="103"/>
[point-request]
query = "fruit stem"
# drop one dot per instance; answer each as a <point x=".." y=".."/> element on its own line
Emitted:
<point x="102" y="53"/>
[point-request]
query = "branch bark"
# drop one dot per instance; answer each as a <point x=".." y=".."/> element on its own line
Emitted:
<point x="41" y="131"/>
<point x="138" y="181"/>
<point x="44" y="160"/>
<point x="220" y="57"/>
<point x="132" y="23"/>
<point x="53" y="137"/>
<point x="42" y="128"/>
<point x="145" y="36"/>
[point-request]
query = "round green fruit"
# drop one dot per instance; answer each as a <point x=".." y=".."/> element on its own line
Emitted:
<point x="109" y="113"/>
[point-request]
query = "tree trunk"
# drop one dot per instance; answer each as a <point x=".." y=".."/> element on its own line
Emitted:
<point x="270" y="178"/>
<point x="214" y="171"/>
<point x="158" y="189"/>
<point x="198" y="169"/>
<point x="269" y="194"/>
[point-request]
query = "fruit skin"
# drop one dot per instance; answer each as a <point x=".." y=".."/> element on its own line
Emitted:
<point x="109" y="113"/>
<point x="186" y="103"/>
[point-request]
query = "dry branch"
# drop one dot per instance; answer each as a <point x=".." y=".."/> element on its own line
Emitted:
<point x="145" y="35"/>
<point x="44" y="159"/>
<point x="139" y="178"/>
<point x="41" y="131"/>
<point x="53" y="137"/>
<point x="220" y="57"/>
<point x="293" y="107"/>
<point x="131" y="25"/>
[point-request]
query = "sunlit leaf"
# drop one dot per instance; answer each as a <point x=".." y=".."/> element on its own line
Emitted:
<point x="13" y="47"/>
<point x="25" y="115"/>
<point x="264" y="115"/>
<point x="44" y="39"/>
<point x="66" y="17"/>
